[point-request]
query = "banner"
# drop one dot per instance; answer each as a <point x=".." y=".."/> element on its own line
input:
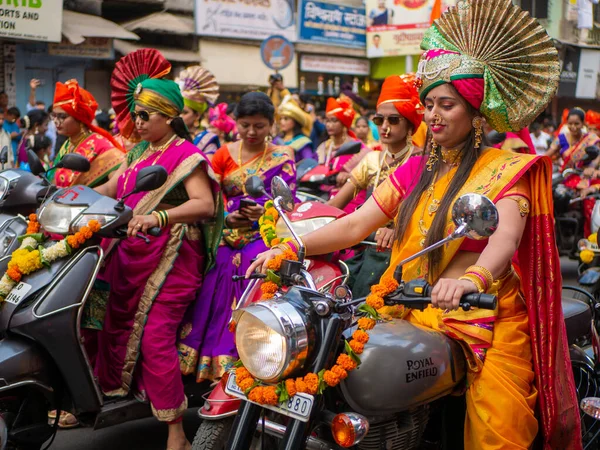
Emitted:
<point x="36" y="20"/>
<point x="587" y="77"/>
<point x="335" y="65"/>
<point x="396" y="27"/>
<point x="94" y="48"/>
<point x="331" y="24"/>
<point x="246" y="19"/>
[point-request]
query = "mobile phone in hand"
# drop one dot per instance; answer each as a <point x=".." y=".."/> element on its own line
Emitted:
<point x="245" y="203"/>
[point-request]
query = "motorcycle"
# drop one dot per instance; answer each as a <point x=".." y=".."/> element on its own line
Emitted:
<point x="43" y="363"/>
<point x="328" y="273"/>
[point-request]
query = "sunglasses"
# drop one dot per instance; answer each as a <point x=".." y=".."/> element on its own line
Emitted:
<point x="59" y="117"/>
<point x="143" y="115"/>
<point x="378" y="119"/>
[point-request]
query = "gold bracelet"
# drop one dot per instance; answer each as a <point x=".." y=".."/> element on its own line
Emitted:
<point x="475" y="280"/>
<point x="159" y="218"/>
<point x="483" y="273"/>
<point x="167" y="218"/>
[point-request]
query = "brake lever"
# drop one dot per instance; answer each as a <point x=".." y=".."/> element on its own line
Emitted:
<point x="254" y="276"/>
<point x="143" y="237"/>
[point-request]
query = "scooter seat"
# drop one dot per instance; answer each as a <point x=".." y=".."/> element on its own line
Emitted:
<point x="578" y="318"/>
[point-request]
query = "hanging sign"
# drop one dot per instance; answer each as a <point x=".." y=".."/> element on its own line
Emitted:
<point x="277" y="52"/>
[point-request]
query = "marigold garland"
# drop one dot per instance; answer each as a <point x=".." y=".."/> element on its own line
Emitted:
<point x="346" y="362"/>
<point x="29" y="257"/>
<point x="267" y="225"/>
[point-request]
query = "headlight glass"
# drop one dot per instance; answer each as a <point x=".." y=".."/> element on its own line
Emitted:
<point x="271" y="339"/>
<point x="85" y="219"/>
<point x="301" y="227"/>
<point x="3" y="187"/>
<point x="56" y="218"/>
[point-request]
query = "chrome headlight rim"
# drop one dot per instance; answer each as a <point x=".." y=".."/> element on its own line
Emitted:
<point x="296" y="335"/>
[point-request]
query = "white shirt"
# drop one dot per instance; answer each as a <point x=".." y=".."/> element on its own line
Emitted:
<point x="541" y="143"/>
<point x="375" y="52"/>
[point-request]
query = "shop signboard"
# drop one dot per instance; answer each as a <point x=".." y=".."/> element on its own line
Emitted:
<point x="335" y="64"/>
<point x="256" y="19"/>
<point x="570" y="59"/>
<point x="93" y="48"/>
<point x="587" y="77"/>
<point x="396" y="27"/>
<point x="36" y="20"/>
<point x="331" y="24"/>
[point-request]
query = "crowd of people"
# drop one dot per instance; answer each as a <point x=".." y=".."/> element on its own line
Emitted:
<point x="432" y="136"/>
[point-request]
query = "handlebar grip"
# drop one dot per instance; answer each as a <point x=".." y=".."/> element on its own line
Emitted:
<point x="481" y="301"/>
<point x="154" y="231"/>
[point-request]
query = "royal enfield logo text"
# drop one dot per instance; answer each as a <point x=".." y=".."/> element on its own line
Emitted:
<point x="420" y="368"/>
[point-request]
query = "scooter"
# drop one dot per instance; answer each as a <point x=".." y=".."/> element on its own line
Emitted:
<point x="43" y="363"/>
<point x="328" y="273"/>
<point x="370" y="409"/>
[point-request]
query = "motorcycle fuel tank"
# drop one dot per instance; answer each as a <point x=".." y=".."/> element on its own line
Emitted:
<point x="403" y="366"/>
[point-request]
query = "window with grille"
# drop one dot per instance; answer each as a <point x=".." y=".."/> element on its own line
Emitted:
<point x="537" y="8"/>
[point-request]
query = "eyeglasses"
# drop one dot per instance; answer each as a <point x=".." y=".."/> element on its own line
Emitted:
<point x="378" y="119"/>
<point x="143" y="115"/>
<point x="59" y="117"/>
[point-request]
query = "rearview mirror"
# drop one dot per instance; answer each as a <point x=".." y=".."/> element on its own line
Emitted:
<point x="349" y="148"/>
<point x="280" y="189"/>
<point x="255" y="187"/>
<point x="4" y="155"/>
<point x="591" y="153"/>
<point x="34" y="163"/>
<point x="74" y="161"/>
<point x="475" y="215"/>
<point x="150" y="178"/>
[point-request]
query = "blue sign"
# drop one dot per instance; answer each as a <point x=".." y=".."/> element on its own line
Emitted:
<point x="277" y="52"/>
<point x="326" y="23"/>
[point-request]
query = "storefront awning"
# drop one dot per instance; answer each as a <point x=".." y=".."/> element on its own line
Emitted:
<point x="171" y="53"/>
<point x="163" y="22"/>
<point x="77" y="26"/>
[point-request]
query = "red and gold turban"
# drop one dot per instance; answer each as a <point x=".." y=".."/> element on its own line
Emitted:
<point x="81" y="105"/>
<point x="592" y="120"/>
<point x="342" y="110"/>
<point x="401" y="92"/>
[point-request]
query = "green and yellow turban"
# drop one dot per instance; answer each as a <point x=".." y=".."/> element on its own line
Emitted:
<point x="159" y="95"/>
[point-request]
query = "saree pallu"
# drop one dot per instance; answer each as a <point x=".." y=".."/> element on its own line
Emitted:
<point x="103" y="156"/>
<point x="302" y="146"/>
<point x="493" y="175"/>
<point x="206" y="346"/>
<point x="572" y="155"/>
<point x="151" y="286"/>
<point x="207" y="142"/>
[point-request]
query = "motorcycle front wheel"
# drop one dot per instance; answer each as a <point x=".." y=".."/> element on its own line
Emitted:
<point x="213" y="434"/>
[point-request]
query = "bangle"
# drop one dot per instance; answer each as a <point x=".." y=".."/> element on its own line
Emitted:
<point x="482" y="273"/>
<point x="475" y="280"/>
<point x="162" y="216"/>
<point x="159" y="218"/>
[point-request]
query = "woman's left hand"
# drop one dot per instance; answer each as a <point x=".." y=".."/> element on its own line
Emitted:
<point x="447" y="292"/>
<point x="253" y="213"/>
<point x="140" y="224"/>
<point x="342" y="178"/>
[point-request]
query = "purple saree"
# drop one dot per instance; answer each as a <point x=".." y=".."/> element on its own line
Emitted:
<point x="206" y="346"/>
<point x="151" y="286"/>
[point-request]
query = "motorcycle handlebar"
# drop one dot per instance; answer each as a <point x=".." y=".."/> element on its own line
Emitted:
<point x="481" y="301"/>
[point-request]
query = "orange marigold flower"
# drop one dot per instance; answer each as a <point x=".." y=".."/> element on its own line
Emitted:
<point x="331" y="378"/>
<point x="366" y="324"/>
<point x="290" y="255"/>
<point x="358" y="347"/>
<point x="245" y="384"/>
<point x="346" y="362"/>
<point x="312" y="383"/>
<point x="14" y="274"/>
<point x="389" y="284"/>
<point x="270" y="396"/>
<point x="84" y="230"/>
<point x="375" y="301"/>
<point x="268" y="287"/>
<point x="290" y="386"/>
<point x="340" y="372"/>
<point x="94" y="225"/>
<point x="360" y="336"/>
<point x="33" y="217"/>
<point x="378" y="289"/>
<point x="275" y="242"/>
<point x="301" y="385"/>
<point x="274" y="264"/>
<point x="273" y="213"/>
<point x="256" y="395"/>
<point x="241" y="373"/>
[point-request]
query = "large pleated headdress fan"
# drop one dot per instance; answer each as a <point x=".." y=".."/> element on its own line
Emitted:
<point x="198" y="86"/>
<point x="497" y="56"/>
<point x="130" y="71"/>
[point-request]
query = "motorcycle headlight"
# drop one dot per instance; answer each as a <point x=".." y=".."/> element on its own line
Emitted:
<point x="57" y="218"/>
<point x="272" y="340"/>
<point x="84" y="219"/>
<point x="4" y="183"/>
<point x="301" y="227"/>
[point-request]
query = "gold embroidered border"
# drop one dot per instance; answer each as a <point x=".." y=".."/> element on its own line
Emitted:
<point x="188" y="359"/>
<point x="169" y="415"/>
<point x="151" y="290"/>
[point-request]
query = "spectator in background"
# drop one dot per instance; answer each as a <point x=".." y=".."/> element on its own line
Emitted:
<point x="541" y="140"/>
<point x="34" y="123"/>
<point x="5" y="142"/>
<point x="39" y="104"/>
<point x="42" y="147"/>
<point x="11" y="126"/>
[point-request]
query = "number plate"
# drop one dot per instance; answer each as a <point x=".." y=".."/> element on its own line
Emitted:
<point x="297" y="407"/>
<point x="18" y="293"/>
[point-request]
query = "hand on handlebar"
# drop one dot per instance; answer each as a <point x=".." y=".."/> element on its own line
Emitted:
<point x="141" y="224"/>
<point x="447" y="293"/>
<point x="261" y="261"/>
<point x="588" y="191"/>
<point x="385" y="239"/>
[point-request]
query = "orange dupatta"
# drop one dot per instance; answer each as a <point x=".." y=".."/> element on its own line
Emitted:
<point x="495" y="172"/>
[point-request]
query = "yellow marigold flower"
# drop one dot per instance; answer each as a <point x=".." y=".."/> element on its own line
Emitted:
<point x="586" y="256"/>
<point x="366" y="324"/>
<point x="360" y="336"/>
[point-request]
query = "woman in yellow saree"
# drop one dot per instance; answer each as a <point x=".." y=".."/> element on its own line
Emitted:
<point x="519" y="381"/>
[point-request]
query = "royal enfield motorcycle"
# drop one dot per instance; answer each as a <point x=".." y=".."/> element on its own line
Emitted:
<point x="43" y="363"/>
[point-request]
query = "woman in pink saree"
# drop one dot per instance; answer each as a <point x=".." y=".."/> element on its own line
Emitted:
<point x="151" y="285"/>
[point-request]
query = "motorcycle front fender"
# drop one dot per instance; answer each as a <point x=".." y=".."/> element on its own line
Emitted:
<point x="219" y="405"/>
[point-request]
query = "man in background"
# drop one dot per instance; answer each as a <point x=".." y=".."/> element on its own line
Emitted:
<point x="39" y="104"/>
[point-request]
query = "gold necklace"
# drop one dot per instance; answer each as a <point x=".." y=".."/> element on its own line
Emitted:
<point x="452" y="156"/>
<point x="74" y="142"/>
<point x="404" y="154"/>
<point x="432" y="209"/>
<point x="247" y="172"/>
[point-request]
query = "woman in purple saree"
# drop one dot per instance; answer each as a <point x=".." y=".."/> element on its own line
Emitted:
<point x="206" y="345"/>
<point x="152" y="285"/>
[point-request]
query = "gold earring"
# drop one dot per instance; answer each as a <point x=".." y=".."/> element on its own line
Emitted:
<point x="409" y="142"/>
<point x="169" y="122"/>
<point x="433" y="156"/>
<point x="478" y="125"/>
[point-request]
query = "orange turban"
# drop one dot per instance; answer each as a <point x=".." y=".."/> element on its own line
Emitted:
<point x="400" y="91"/>
<point x="81" y="105"/>
<point x="592" y="119"/>
<point x="342" y="110"/>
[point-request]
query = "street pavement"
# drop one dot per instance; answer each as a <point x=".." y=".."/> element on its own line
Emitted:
<point x="148" y="434"/>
